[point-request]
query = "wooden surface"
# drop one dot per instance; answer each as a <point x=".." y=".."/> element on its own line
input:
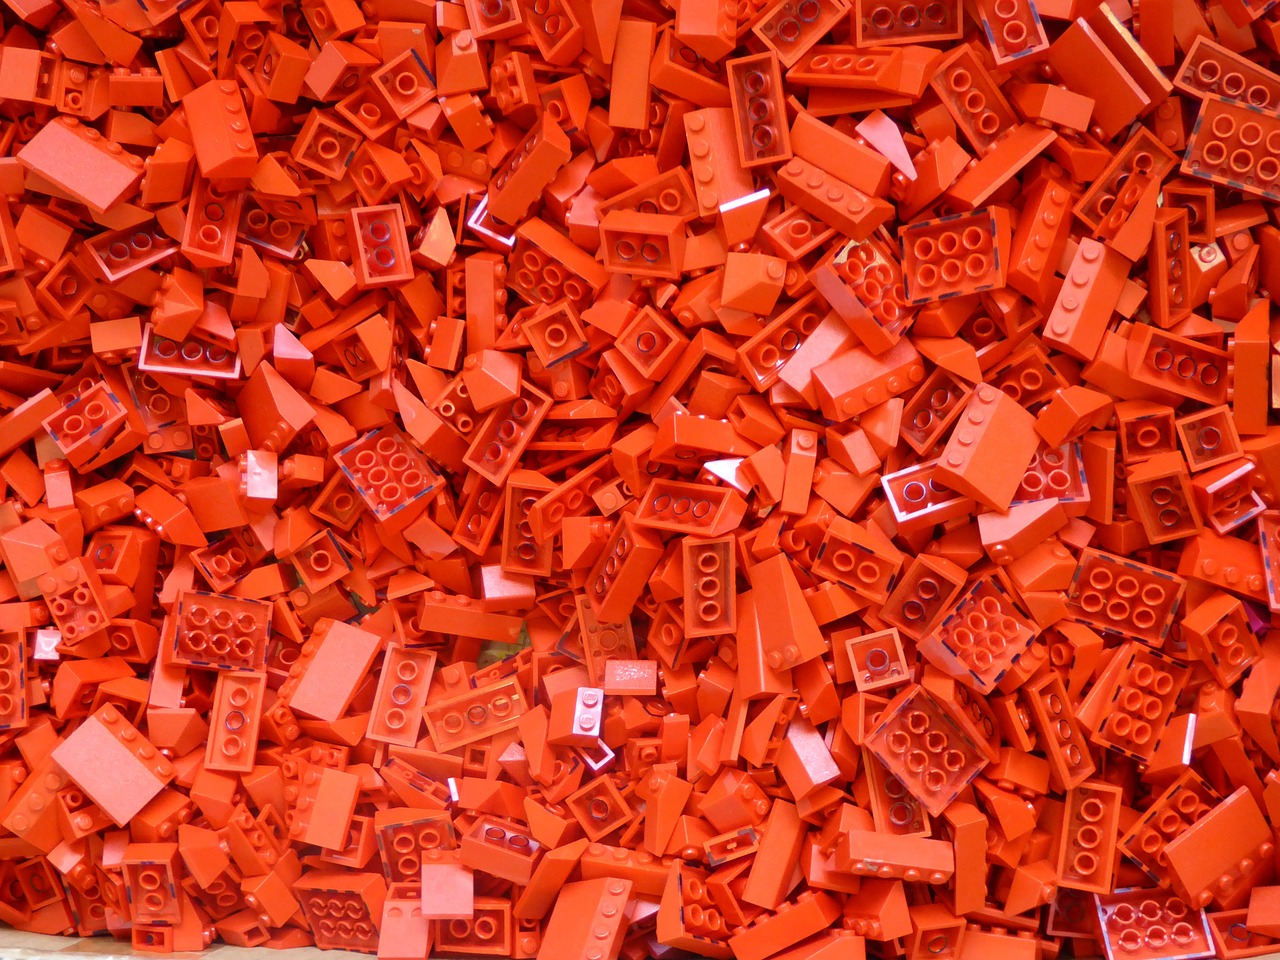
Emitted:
<point x="33" y="946"/>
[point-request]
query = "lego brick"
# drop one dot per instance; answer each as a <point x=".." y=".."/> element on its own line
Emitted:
<point x="993" y="430"/>
<point x="893" y="22"/>
<point x="759" y="114"/>
<point x="114" y="764"/>
<point x="1090" y="831"/>
<point x="955" y="256"/>
<point x="235" y="715"/>
<point x="917" y="742"/>
<point x="75" y="157"/>
<point x="1229" y="145"/>
<point x="323" y="679"/>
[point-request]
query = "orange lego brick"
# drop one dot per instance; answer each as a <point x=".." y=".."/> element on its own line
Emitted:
<point x="972" y="97"/>
<point x="1160" y="496"/>
<point x="1182" y="804"/>
<point x="994" y="429"/>
<point x="1085" y="60"/>
<point x="589" y="915"/>
<point x="810" y="913"/>
<point x="486" y="710"/>
<point x="1088" y="296"/>
<point x="894" y="22"/>
<point x="1013" y="31"/>
<point x="341" y="907"/>
<point x="236" y="714"/>
<point x="983" y="637"/>
<point x="759" y="115"/>
<point x="321" y="682"/>
<point x="831" y="198"/>
<point x="1170" y="263"/>
<point x="95" y="171"/>
<point x="791" y="29"/>
<point x="710" y="600"/>
<point x="953" y="256"/>
<point x="221" y="632"/>
<point x="1238" y="836"/>
<point x="1142" y="697"/>
<point x="847" y="67"/>
<point x="1144" y="154"/>
<point x="517" y="478"/>
<point x="1163" y="359"/>
<point x="912" y="728"/>
<point x="717" y="178"/>
<point x="1223" y="130"/>
<point x="873" y="854"/>
<point x="225" y="148"/>
<point x="1090" y="832"/>
<point x="114" y="764"/>
<point x="821" y="144"/>
<point x="1248" y="401"/>
<point x="402" y="693"/>
<point x="531" y="167"/>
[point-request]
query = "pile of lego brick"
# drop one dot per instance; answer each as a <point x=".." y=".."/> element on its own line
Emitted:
<point x="612" y="479"/>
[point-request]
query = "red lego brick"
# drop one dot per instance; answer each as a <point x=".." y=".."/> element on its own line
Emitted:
<point x="501" y="849"/>
<point x="341" y="907"/>
<point x="831" y="198"/>
<point x="1143" y="696"/>
<point x="381" y="254"/>
<point x="209" y="234"/>
<point x="1160" y="497"/>
<point x="321" y="681"/>
<point x="1170" y="266"/>
<point x="710" y="594"/>
<point x="865" y="285"/>
<point x="1166" y="360"/>
<point x="1062" y="736"/>
<point x="120" y="253"/>
<point x="878" y="660"/>
<point x="225" y="146"/>
<point x="994" y="429"/>
<point x="1143" y="923"/>
<point x="76" y="601"/>
<point x="1211" y="69"/>
<point x="87" y="423"/>
<point x="1238" y="843"/>
<point x="1089" y="294"/>
<point x="390" y="474"/>
<point x="500" y="439"/>
<point x="982" y="638"/>
<point x="847" y="67"/>
<point x="1182" y="804"/>
<point x="13" y="683"/>
<point x="932" y="410"/>
<point x="472" y="716"/>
